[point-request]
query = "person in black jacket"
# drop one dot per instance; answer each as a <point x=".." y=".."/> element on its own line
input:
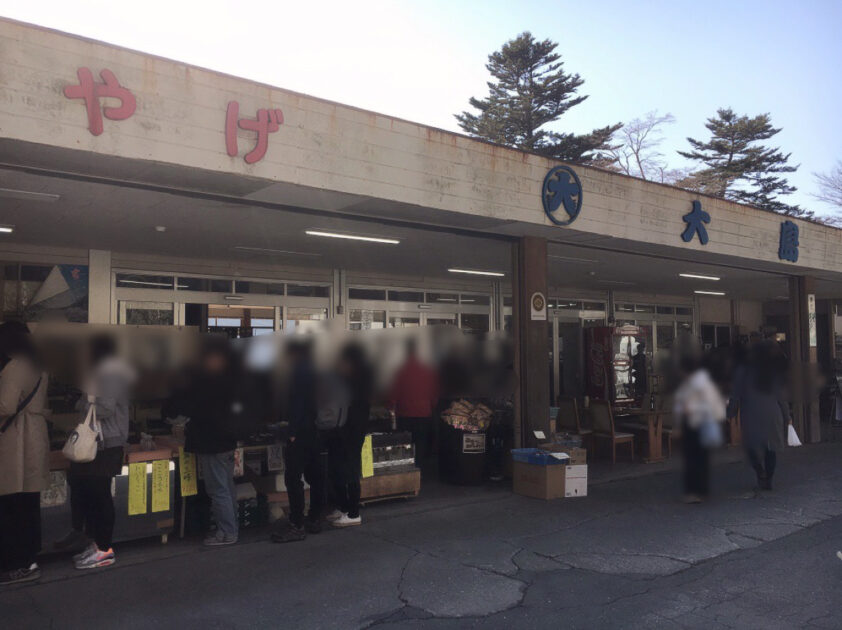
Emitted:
<point x="344" y="448"/>
<point x="302" y="455"/>
<point x="209" y="400"/>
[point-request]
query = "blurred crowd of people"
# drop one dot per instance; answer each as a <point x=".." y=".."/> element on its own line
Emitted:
<point x="316" y="393"/>
<point x="749" y="380"/>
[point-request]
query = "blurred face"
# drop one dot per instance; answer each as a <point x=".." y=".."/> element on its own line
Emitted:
<point x="215" y="363"/>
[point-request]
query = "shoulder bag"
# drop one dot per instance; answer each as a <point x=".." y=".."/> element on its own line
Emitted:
<point x="81" y="445"/>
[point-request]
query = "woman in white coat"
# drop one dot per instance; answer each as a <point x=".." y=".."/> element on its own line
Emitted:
<point x="24" y="454"/>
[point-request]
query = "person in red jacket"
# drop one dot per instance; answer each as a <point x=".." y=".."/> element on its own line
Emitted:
<point x="414" y="395"/>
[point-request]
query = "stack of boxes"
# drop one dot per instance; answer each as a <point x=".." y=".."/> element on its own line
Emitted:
<point x="550" y="472"/>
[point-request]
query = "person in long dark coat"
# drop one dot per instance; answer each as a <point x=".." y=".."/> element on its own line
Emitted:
<point x="758" y="396"/>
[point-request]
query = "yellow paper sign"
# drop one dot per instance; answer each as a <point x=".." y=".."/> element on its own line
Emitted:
<point x="187" y="470"/>
<point x="367" y="458"/>
<point x="137" y="488"/>
<point x="161" y="485"/>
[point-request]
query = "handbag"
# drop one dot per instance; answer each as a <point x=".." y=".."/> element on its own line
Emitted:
<point x="23" y="404"/>
<point x="792" y="436"/>
<point x="81" y="445"/>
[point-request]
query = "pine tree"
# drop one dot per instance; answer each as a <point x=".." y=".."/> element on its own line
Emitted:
<point x="530" y="91"/>
<point x="738" y="165"/>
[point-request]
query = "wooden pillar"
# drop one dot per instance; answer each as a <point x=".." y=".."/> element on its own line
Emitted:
<point x="804" y="357"/>
<point x="532" y="397"/>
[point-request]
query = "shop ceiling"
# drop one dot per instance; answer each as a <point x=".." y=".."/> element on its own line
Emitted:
<point x="91" y="214"/>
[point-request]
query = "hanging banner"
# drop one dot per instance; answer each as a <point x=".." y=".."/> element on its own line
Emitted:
<point x="811" y="319"/>
<point x="239" y="462"/>
<point x="367" y="458"/>
<point x="161" y="485"/>
<point x="137" y="488"/>
<point x="187" y="470"/>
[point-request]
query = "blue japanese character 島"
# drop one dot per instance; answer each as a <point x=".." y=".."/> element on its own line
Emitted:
<point x="788" y="247"/>
<point x="695" y="221"/>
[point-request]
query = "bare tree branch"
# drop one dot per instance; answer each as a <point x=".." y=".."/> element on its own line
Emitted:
<point x="638" y="154"/>
<point x="830" y="186"/>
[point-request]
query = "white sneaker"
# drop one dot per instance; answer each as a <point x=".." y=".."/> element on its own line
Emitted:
<point x="347" y="521"/>
<point x="334" y="516"/>
<point x="89" y="550"/>
<point x="839" y="554"/>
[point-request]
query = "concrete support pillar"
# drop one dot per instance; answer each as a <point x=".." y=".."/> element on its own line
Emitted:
<point x="99" y="286"/>
<point x="804" y="357"/>
<point x="532" y="396"/>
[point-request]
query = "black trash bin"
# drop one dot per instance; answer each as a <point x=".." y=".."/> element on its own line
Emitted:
<point x="462" y="455"/>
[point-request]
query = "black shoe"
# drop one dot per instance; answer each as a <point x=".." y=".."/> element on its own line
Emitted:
<point x="290" y="533"/>
<point x="313" y="527"/>
<point x="19" y="576"/>
<point x="766" y="484"/>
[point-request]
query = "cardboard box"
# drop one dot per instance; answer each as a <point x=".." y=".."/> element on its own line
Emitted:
<point x="539" y="482"/>
<point x="576" y="455"/>
<point x="576" y="480"/>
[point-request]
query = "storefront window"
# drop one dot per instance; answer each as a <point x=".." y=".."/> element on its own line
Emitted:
<point x="208" y="285"/>
<point x="442" y="320"/>
<point x="367" y="294"/>
<point x="569" y="305"/>
<point x="666" y="336"/>
<point x="35" y="293"/>
<point x="145" y="313"/>
<point x="475" y="300"/>
<point x="404" y="320"/>
<point x="474" y="324"/>
<point x="406" y="296"/>
<point x="259" y="288"/>
<point x="308" y="290"/>
<point x="446" y="298"/>
<point x="366" y="319"/>
<point x="143" y="281"/>
<point x="302" y="319"/>
<point x="625" y="308"/>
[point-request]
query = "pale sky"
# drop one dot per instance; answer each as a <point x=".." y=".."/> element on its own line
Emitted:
<point x="423" y="60"/>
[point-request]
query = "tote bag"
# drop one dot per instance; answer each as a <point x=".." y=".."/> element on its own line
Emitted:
<point x="792" y="436"/>
<point x="81" y="445"/>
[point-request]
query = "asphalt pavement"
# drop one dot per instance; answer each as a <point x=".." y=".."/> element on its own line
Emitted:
<point x="629" y="555"/>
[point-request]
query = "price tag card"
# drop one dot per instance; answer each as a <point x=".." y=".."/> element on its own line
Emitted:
<point x="161" y="485"/>
<point x="187" y="470"/>
<point x="137" y="488"/>
<point x="367" y="458"/>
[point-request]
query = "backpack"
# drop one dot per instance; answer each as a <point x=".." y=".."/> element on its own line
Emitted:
<point x="332" y="401"/>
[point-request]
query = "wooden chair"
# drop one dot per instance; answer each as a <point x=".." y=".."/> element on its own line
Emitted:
<point x="603" y="428"/>
<point x="568" y="416"/>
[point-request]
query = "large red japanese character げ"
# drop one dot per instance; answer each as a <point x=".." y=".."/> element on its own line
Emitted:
<point x="268" y="121"/>
<point x="91" y="92"/>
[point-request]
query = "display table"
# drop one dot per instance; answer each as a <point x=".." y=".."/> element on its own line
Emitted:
<point x="55" y="502"/>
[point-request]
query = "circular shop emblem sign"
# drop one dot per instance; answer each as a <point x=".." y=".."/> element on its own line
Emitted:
<point x="538" y="302"/>
<point x="562" y="190"/>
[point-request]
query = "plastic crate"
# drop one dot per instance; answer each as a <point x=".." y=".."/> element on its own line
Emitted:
<point x="536" y="457"/>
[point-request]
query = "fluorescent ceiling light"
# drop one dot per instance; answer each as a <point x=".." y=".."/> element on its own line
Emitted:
<point x="474" y="272"/>
<point x="698" y="276"/>
<point x="709" y="292"/>
<point x="273" y="252"/>
<point x="614" y="282"/>
<point x="446" y="300"/>
<point x="353" y="237"/>
<point x="28" y="195"/>
<point x="150" y="284"/>
<point x="571" y="259"/>
<point x="7" y="229"/>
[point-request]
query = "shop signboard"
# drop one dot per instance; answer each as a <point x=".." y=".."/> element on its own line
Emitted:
<point x="538" y="307"/>
<point x="811" y="318"/>
<point x="473" y="442"/>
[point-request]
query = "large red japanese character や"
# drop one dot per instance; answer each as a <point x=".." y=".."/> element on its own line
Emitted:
<point x="91" y="92"/>
<point x="268" y="121"/>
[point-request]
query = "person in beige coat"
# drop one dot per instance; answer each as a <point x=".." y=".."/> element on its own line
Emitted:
<point x="24" y="454"/>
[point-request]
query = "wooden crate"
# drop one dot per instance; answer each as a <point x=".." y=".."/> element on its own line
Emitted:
<point x="390" y="486"/>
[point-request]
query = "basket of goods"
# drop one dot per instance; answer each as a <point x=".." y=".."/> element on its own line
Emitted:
<point x="468" y="416"/>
